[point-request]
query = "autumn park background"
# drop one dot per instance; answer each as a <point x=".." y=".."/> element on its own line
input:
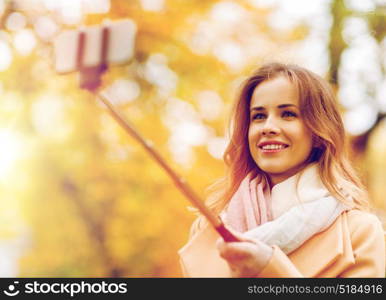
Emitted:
<point x="80" y="198"/>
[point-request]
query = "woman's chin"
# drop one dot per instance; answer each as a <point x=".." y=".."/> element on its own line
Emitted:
<point x="274" y="169"/>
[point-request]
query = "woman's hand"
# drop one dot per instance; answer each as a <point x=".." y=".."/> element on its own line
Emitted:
<point x="245" y="258"/>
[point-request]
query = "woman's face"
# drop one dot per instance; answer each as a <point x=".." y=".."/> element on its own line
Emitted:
<point x="279" y="141"/>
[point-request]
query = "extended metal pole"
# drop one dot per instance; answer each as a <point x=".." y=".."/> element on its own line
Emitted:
<point x="179" y="181"/>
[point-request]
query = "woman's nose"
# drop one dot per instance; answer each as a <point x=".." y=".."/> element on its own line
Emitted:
<point x="270" y="127"/>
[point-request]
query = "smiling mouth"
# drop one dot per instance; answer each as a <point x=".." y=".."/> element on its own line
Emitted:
<point x="273" y="148"/>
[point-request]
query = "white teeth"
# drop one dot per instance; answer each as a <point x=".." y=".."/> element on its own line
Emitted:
<point x="273" y="147"/>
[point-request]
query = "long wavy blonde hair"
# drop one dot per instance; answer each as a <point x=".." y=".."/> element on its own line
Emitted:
<point x="320" y="113"/>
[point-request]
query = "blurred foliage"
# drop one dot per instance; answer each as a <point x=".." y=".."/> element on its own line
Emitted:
<point x="91" y="202"/>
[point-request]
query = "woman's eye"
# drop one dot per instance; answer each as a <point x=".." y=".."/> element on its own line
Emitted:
<point x="289" y="114"/>
<point x="258" y="116"/>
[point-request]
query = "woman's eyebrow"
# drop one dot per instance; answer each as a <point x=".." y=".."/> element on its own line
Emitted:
<point x="279" y="106"/>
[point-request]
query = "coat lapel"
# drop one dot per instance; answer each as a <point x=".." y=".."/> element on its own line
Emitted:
<point x="327" y="253"/>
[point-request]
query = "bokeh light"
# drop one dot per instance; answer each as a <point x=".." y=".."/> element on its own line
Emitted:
<point x="123" y="91"/>
<point x="24" y="42"/>
<point x="71" y="11"/>
<point x="360" y="5"/>
<point x="157" y="72"/>
<point x="210" y="105"/>
<point x="5" y="56"/>
<point x="216" y="147"/>
<point x="48" y="116"/>
<point x="15" y="21"/>
<point x="153" y="5"/>
<point x="96" y="6"/>
<point x="360" y="119"/>
<point x="45" y="27"/>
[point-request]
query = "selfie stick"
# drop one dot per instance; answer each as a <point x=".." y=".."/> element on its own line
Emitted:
<point x="90" y="79"/>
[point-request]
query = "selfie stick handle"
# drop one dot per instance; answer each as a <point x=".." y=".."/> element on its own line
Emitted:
<point x="179" y="182"/>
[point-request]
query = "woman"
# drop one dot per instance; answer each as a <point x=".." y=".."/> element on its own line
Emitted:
<point x="290" y="194"/>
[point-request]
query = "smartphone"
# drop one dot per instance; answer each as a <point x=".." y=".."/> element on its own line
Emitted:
<point x="120" y="46"/>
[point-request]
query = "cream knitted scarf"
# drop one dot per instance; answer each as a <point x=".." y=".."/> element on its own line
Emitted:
<point x="250" y="211"/>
